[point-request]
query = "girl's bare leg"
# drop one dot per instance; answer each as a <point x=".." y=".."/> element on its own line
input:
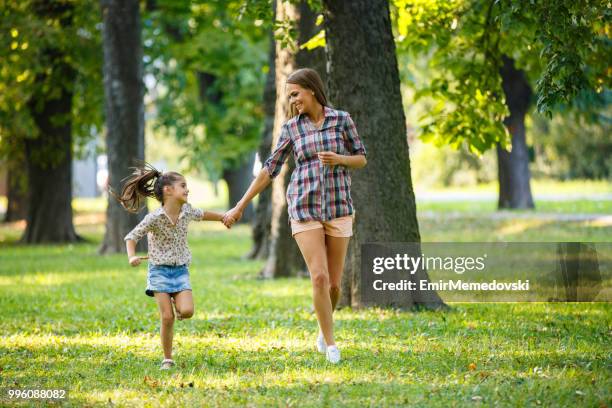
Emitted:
<point x="166" y="315"/>
<point x="183" y="301"/>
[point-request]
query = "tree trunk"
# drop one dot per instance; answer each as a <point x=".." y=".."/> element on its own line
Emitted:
<point x="284" y="257"/>
<point x="50" y="180"/>
<point x="17" y="197"/>
<point x="238" y="178"/>
<point x="307" y="28"/>
<point x="263" y="212"/>
<point x="49" y="154"/>
<point x="124" y="92"/>
<point x="513" y="166"/>
<point x="304" y="58"/>
<point x="238" y="181"/>
<point x="364" y="80"/>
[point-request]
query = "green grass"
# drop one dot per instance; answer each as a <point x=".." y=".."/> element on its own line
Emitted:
<point x="72" y="319"/>
<point x="538" y="186"/>
<point x="579" y="206"/>
<point x="442" y="227"/>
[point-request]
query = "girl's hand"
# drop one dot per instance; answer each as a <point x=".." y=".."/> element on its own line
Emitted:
<point x="230" y="217"/>
<point x="331" y="158"/>
<point x="134" y="260"/>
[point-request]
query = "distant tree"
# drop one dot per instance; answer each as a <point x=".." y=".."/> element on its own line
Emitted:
<point x="207" y="60"/>
<point x="296" y="25"/>
<point x="49" y="104"/>
<point x="16" y="185"/>
<point x="364" y="80"/>
<point x="487" y="57"/>
<point x="294" y="35"/>
<point x="124" y="106"/>
<point x="263" y="212"/>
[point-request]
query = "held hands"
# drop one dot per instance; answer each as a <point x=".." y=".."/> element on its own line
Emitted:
<point x="331" y="158"/>
<point x="232" y="216"/>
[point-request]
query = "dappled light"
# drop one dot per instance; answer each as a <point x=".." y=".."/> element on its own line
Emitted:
<point x="322" y="203"/>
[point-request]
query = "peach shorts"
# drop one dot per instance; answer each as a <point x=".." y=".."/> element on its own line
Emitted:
<point x="338" y="227"/>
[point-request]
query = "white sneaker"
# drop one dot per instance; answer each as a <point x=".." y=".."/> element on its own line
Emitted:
<point x="333" y="354"/>
<point x="321" y="346"/>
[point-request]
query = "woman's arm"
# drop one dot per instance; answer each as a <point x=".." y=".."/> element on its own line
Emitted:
<point x="356" y="161"/>
<point x="257" y="186"/>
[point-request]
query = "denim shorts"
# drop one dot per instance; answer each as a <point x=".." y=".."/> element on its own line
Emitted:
<point x="167" y="279"/>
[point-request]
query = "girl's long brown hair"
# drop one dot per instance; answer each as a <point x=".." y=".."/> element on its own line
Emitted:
<point x="145" y="181"/>
<point x="309" y="79"/>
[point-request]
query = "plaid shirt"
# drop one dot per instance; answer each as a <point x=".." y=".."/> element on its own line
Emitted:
<point x="317" y="191"/>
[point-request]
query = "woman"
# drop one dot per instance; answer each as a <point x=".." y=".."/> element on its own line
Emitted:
<point x="325" y="145"/>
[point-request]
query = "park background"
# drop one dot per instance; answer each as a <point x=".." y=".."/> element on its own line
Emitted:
<point x="439" y="91"/>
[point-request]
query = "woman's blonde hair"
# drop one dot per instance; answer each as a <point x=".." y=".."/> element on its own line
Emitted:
<point x="309" y="79"/>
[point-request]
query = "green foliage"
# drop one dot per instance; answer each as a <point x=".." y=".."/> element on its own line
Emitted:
<point x="571" y="146"/>
<point x="435" y="166"/>
<point x="465" y="86"/>
<point x="573" y="41"/>
<point x="43" y="42"/>
<point x="222" y="123"/>
<point x="562" y="46"/>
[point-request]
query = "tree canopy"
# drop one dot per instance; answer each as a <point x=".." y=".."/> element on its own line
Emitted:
<point x="563" y="46"/>
<point x="72" y="31"/>
<point x="207" y="61"/>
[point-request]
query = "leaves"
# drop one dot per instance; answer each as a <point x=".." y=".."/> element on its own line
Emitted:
<point x="151" y="382"/>
<point x="45" y="44"/>
<point x="563" y="47"/>
<point x="209" y="65"/>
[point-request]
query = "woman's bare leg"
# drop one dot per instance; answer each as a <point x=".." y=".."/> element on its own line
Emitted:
<point x="336" y="248"/>
<point x="312" y="246"/>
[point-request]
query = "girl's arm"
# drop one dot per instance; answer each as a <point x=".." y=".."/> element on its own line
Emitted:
<point x="212" y="216"/>
<point x="134" y="260"/>
<point x="136" y="235"/>
<point x="257" y="186"/>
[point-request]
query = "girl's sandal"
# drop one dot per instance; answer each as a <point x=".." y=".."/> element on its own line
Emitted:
<point x="167" y="364"/>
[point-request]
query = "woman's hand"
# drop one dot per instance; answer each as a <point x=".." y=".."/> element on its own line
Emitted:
<point x="331" y="158"/>
<point x="232" y="216"/>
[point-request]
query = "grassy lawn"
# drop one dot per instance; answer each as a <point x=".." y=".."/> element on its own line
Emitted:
<point x="476" y="208"/>
<point x="74" y="320"/>
<point x="538" y="186"/>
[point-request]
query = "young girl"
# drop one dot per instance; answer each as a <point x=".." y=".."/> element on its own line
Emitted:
<point x="169" y="255"/>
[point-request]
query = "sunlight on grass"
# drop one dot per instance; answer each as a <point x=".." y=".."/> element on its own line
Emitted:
<point x="72" y="319"/>
<point x="539" y="186"/>
<point x="518" y="227"/>
<point x="40" y="281"/>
